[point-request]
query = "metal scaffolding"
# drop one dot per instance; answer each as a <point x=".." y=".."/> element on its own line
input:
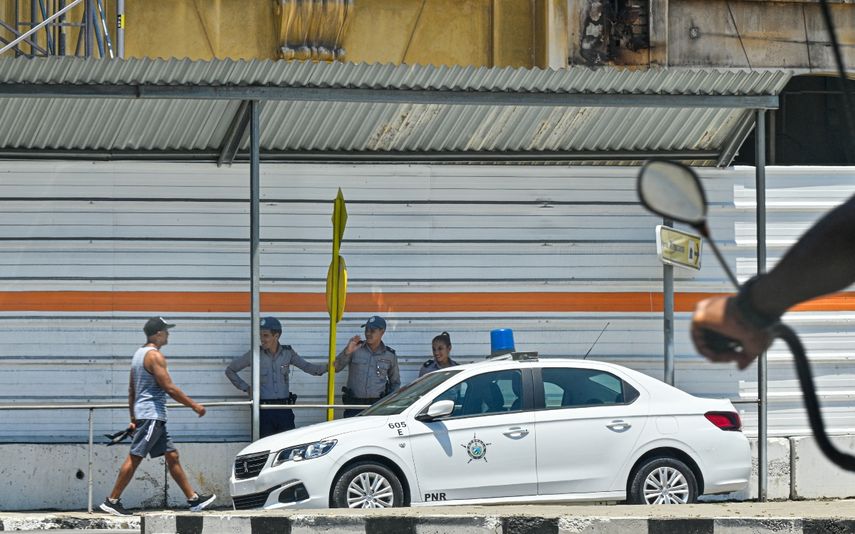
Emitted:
<point x="40" y="28"/>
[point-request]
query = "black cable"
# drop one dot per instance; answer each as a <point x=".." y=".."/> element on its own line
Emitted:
<point x="738" y="36"/>
<point x="803" y="369"/>
<point x="838" y="457"/>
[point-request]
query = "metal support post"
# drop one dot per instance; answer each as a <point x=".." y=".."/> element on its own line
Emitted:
<point x="668" y="303"/>
<point x="60" y="32"/>
<point x="49" y="42"/>
<point x="120" y="28"/>
<point x="254" y="228"/>
<point x="96" y="32"/>
<point x="17" y="28"/>
<point x="89" y="473"/>
<point x="34" y="15"/>
<point x="106" y="42"/>
<point x="762" y="406"/>
<point x="87" y="28"/>
<point x="773" y="146"/>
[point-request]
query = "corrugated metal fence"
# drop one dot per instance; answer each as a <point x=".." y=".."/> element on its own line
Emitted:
<point x="90" y="250"/>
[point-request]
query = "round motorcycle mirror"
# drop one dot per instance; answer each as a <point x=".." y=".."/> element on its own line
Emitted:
<point x="673" y="191"/>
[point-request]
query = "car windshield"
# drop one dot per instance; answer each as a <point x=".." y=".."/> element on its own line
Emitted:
<point x="407" y="395"/>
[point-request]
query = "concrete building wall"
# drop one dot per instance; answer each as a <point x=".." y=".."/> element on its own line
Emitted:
<point x="55" y="477"/>
<point x="490" y="33"/>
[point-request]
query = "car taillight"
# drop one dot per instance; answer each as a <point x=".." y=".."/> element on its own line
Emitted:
<point x="725" y="420"/>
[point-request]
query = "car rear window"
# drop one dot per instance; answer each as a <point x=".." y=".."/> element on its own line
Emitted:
<point x="570" y="388"/>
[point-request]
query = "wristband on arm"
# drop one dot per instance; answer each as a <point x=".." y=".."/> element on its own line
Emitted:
<point x="750" y="314"/>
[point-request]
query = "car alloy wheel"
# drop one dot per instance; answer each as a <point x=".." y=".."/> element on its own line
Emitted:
<point x="367" y="484"/>
<point x="663" y="480"/>
<point x="370" y="490"/>
<point x="666" y="485"/>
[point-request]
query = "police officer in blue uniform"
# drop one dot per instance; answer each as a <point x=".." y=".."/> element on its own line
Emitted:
<point x="372" y="366"/>
<point x="276" y="361"/>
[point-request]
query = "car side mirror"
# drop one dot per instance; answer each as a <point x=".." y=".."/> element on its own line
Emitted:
<point x="673" y="191"/>
<point x="436" y="410"/>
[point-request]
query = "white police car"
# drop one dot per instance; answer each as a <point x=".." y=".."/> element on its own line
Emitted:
<point x="506" y="431"/>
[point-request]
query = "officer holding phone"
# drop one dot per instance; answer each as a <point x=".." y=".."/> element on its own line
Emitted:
<point x="372" y="366"/>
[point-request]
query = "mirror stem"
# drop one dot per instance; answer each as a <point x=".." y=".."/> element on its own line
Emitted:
<point x="705" y="231"/>
<point x="723" y="263"/>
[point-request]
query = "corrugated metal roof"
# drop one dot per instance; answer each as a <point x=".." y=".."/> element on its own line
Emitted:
<point x="64" y="70"/>
<point x="122" y="125"/>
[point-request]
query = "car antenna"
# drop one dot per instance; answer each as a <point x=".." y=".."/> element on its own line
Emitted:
<point x="595" y="341"/>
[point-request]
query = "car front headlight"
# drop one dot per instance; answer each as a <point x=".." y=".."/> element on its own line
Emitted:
<point x="304" y="452"/>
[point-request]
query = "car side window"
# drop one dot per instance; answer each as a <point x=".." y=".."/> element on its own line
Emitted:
<point x="567" y="388"/>
<point x="488" y="393"/>
<point x="553" y="393"/>
<point x="456" y="393"/>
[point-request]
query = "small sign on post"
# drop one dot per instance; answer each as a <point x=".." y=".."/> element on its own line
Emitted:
<point x="679" y="248"/>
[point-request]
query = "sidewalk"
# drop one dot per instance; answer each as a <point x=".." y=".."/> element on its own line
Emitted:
<point x="65" y="520"/>
<point x="791" y="517"/>
<point x="808" y="517"/>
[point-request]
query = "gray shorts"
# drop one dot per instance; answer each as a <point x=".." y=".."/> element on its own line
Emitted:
<point x="151" y="438"/>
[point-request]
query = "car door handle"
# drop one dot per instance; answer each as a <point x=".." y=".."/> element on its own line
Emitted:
<point x="516" y="432"/>
<point x="619" y="425"/>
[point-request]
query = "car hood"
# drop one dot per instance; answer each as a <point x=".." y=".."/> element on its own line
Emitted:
<point x="316" y="432"/>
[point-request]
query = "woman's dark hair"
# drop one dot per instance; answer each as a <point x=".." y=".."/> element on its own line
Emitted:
<point x="444" y="337"/>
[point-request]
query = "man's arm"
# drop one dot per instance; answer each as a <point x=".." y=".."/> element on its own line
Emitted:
<point x="341" y="361"/>
<point x="308" y="367"/>
<point x="394" y="375"/>
<point x="155" y="364"/>
<point x="238" y="364"/>
<point x="343" y="358"/>
<point x="821" y="262"/>
<point x="132" y="398"/>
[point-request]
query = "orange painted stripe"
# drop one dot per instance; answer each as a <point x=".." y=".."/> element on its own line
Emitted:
<point x="224" y="302"/>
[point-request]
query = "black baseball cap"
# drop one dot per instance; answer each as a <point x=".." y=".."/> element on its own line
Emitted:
<point x="155" y="325"/>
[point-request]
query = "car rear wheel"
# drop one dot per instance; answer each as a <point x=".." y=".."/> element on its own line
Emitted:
<point x="367" y="485"/>
<point x="663" y="481"/>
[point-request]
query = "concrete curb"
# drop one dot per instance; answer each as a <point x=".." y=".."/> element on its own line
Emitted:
<point x="187" y="524"/>
<point x="66" y="520"/>
<point x="790" y="517"/>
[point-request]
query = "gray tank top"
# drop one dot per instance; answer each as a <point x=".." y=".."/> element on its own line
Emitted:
<point x="150" y="401"/>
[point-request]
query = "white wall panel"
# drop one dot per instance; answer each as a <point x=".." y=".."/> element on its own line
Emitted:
<point x="535" y="231"/>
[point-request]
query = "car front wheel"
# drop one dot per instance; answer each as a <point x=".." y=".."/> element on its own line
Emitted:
<point x="367" y="485"/>
<point x="663" y="481"/>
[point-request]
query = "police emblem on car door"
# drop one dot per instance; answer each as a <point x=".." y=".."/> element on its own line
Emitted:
<point x="485" y="448"/>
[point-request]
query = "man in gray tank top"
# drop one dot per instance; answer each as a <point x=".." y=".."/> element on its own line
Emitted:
<point x="148" y="387"/>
